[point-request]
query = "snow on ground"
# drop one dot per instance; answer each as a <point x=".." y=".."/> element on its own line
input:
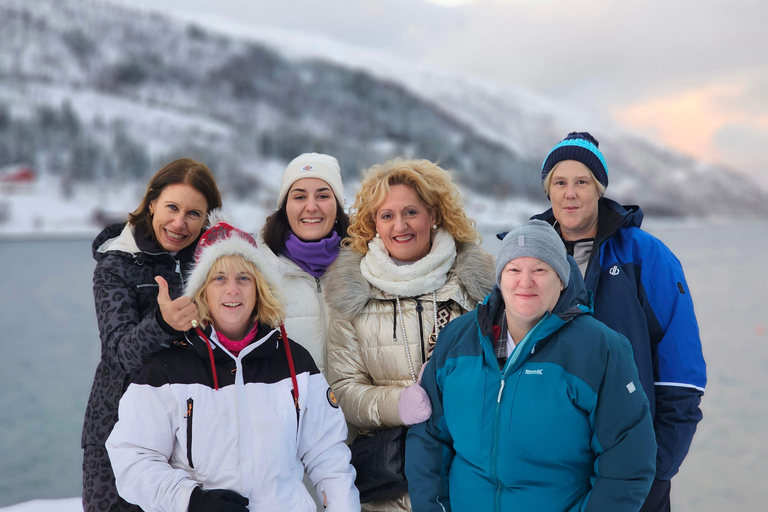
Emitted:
<point x="65" y="505"/>
<point x="47" y="209"/>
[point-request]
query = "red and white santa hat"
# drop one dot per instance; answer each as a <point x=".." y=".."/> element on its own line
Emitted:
<point x="219" y="240"/>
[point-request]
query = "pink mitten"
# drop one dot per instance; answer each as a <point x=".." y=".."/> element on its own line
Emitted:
<point x="414" y="405"/>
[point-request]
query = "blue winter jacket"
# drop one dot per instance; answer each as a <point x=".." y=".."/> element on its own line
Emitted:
<point x="564" y="426"/>
<point x="639" y="290"/>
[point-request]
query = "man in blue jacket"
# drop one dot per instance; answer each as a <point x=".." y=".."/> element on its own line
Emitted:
<point x="639" y="290"/>
<point x="536" y="405"/>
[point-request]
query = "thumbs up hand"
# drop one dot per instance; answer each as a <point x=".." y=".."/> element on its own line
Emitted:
<point x="177" y="313"/>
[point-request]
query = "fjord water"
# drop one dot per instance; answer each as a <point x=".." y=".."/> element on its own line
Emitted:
<point x="50" y="349"/>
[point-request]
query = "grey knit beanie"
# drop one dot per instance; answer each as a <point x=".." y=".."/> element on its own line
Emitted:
<point x="534" y="239"/>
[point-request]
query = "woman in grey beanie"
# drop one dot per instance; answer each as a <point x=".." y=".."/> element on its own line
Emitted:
<point x="536" y="405"/>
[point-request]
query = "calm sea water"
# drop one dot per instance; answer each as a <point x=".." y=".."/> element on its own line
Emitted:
<point x="50" y="349"/>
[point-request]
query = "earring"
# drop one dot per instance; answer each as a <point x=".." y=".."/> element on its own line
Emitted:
<point x="377" y="235"/>
<point x="434" y="227"/>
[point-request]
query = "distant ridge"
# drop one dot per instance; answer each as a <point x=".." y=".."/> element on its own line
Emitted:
<point x="99" y="92"/>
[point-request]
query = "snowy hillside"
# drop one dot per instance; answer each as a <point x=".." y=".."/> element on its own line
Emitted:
<point x="529" y="124"/>
<point x="98" y="97"/>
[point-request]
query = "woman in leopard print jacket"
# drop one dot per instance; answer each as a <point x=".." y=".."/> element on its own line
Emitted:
<point x="135" y="313"/>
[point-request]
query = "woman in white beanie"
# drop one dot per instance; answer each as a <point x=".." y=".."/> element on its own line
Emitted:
<point x="232" y="414"/>
<point x="410" y="265"/>
<point x="301" y="239"/>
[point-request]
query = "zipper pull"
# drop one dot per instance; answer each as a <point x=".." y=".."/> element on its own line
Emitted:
<point x="317" y="280"/>
<point x="178" y="266"/>
<point x="298" y="409"/>
<point x="189" y="408"/>
<point x="498" y="399"/>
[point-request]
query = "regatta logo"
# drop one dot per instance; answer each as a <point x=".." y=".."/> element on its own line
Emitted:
<point x="614" y="270"/>
<point x="631" y="387"/>
<point x="540" y="371"/>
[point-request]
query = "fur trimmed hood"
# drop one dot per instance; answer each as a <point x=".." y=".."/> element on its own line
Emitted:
<point x="470" y="279"/>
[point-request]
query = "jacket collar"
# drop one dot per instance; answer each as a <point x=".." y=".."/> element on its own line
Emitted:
<point x="349" y="292"/>
<point x="263" y="346"/>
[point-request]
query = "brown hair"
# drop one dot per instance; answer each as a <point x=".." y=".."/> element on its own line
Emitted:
<point x="185" y="171"/>
<point x="268" y="309"/>
<point x="432" y="184"/>
<point x="276" y="228"/>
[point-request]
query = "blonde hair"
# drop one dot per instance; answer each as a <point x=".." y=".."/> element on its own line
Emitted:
<point x="268" y="309"/>
<point x="548" y="180"/>
<point x="432" y="184"/>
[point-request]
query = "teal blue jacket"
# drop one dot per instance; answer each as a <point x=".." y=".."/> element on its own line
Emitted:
<point x="564" y="426"/>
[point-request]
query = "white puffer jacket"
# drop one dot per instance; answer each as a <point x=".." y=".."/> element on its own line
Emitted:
<point x="306" y="312"/>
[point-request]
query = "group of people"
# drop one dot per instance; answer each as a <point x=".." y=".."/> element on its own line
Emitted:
<point x="564" y="374"/>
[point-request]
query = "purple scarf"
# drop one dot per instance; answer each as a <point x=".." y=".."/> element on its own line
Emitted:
<point x="313" y="257"/>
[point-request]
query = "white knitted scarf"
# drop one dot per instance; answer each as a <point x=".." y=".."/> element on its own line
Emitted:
<point x="422" y="276"/>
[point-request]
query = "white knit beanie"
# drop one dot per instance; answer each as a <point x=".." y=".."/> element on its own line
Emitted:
<point x="312" y="165"/>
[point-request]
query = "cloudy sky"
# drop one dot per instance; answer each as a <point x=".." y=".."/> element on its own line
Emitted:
<point x="690" y="74"/>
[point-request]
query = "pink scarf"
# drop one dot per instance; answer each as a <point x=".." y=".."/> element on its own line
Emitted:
<point x="236" y="346"/>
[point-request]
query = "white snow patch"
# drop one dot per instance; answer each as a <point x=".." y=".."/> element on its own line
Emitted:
<point x="62" y="505"/>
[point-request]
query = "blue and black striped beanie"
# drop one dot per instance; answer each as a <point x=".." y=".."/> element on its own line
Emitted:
<point x="582" y="147"/>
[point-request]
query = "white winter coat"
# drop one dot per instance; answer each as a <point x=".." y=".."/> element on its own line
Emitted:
<point x="175" y="431"/>
<point x="306" y="311"/>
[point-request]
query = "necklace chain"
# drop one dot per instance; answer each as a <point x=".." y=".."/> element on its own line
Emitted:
<point x="405" y="338"/>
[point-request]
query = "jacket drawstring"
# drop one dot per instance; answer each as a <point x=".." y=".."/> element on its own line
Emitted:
<point x="295" y="391"/>
<point x="294" y="381"/>
<point x="210" y="356"/>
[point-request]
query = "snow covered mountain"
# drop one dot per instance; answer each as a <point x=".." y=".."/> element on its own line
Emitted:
<point x="91" y="92"/>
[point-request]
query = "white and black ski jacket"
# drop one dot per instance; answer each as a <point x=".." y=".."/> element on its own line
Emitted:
<point x="177" y="431"/>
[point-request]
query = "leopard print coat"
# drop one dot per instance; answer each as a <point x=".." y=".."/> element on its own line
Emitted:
<point x="130" y="326"/>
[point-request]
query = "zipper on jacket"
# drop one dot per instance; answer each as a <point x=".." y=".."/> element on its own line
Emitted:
<point x="317" y="280"/>
<point x="420" y="309"/>
<point x="178" y="271"/>
<point x="298" y="411"/>
<point x="394" y="322"/>
<point x="188" y="416"/>
<point x="495" y="452"/>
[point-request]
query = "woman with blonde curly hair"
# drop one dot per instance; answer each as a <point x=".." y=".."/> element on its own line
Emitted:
<point x="410" y="264"/>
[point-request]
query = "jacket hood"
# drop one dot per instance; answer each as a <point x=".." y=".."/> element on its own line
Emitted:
<point x="574" y="297"/>
<point x="611" y="217"/>
<point x="349" y="292"/>
<point x="132" y="242"/>
<point x="107" y="238"/>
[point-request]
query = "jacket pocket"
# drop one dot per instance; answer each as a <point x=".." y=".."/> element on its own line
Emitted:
<point x="188" y="416"/>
